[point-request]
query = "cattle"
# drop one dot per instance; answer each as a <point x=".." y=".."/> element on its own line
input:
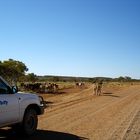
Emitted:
<point x="97" y="88"/>
<point x="40" y="87"/>
<point x="79" y="84"/>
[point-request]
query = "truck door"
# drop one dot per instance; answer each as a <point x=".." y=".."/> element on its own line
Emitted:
<point x="9" y="106"/>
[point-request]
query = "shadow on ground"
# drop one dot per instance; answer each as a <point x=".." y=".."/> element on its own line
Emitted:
<point x="39" y="135"/>
<point x="109" y="94"/>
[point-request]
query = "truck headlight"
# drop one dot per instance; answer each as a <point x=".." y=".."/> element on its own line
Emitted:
<point x="42" y="102"/>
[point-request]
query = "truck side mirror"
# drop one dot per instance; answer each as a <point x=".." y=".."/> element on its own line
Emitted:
<point x="14" y="89"/>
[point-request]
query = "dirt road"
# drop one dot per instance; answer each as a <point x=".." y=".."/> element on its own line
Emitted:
<point x="115" y="115"/>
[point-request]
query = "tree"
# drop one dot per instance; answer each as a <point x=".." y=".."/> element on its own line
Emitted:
<point x="55" y="78"/>
<point x="31" y="77"/>
<point x="128" y="78"/>
<point x="12" y="70"/>
<point x="121" y="79"/>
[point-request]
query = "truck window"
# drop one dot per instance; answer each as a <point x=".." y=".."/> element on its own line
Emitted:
<point x="3" y="88"/>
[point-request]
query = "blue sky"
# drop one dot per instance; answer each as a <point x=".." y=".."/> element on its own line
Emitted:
<point x="72" y="38"/>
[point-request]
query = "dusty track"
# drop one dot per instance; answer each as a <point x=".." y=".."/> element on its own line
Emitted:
<point x="115" y="115"/>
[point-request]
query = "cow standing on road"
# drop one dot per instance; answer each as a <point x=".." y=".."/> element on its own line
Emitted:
<point x="97" y="88"/>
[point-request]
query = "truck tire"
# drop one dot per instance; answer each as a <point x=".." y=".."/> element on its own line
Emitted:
<point x="30" y="121"/>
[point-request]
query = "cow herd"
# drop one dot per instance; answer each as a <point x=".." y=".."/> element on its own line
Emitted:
<point x="40" y="87"/>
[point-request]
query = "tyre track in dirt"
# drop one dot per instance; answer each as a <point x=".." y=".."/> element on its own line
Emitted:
<point x="102" y="108"/>
<point x="133" y="131"/>
<point x="72" y="101"/>
<point x="74" y="116"/>
<point x="121" y="131"/>
<point x="65" y="105"/>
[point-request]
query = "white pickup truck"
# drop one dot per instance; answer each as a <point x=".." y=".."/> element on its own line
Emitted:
<point x="19" y="110"/>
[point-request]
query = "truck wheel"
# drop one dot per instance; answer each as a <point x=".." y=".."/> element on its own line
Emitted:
<point x="30" y="121"/>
